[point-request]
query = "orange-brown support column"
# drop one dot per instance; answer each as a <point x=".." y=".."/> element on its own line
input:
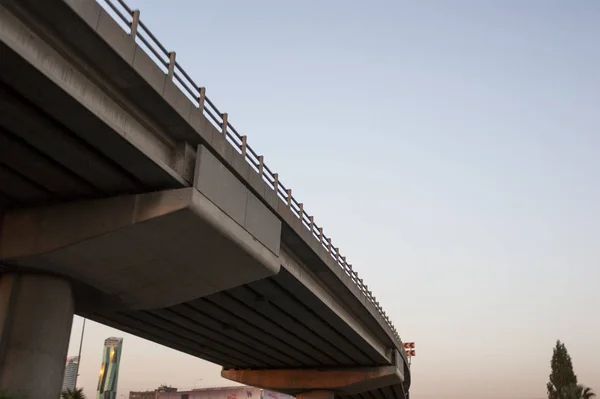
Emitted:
<point x="316" y="395"/>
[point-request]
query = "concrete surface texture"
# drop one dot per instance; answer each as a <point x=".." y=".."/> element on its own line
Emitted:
<point x="138" y="248"/>
<point x="339" y="381"/>
<point x="316" y="395"/>
<point x="36" y="313"/>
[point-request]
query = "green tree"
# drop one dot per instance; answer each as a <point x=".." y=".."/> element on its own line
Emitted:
<point x="77" y="393"/>
<point x="576" y="392"/>
<point x="587" y="393"/>
<point x="562" y="377"/>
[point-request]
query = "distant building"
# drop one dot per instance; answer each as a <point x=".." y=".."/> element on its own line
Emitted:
<point x="239" y="392"/>
<point x="70" y="373"/>
<point x="109" y="370"/>
<point x="143" y="395"/>
<point x="151" y="394"/>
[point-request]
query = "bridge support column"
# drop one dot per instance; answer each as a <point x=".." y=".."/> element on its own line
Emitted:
<point x="36" y="314"/>
<point x="316" y="395"/>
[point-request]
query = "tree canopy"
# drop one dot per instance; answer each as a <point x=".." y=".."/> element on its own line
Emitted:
<point x="563" y="381"/>
<point x="562" y="375"/>
<point x="77" y="393"/>
<point x="576" y="392"/>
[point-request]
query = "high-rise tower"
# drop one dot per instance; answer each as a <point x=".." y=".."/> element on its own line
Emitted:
<point x="70" y="373"/>
<point x="109" y="371"/>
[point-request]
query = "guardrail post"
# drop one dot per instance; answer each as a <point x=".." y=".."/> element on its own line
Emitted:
<point x="171" y="69"/>
<point x="276" y="183"/>
<point x="202" y="91"/>
<point x="312" y="223"/>
<point x="321" y="234"/>
<point x="224" y="124"/>
<point x="301" y="211"/>
<point x="261" y="160"/>
<point x="337" y="254"/>
<point x="135" y="19"/>
<point x="289" y="197"/>
<point x="329" y="245"/>
<point x="244" y="139"/>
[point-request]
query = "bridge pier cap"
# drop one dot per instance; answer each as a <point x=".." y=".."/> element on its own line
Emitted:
<point x="344" y="381"/>
<point x="92" y="241"/>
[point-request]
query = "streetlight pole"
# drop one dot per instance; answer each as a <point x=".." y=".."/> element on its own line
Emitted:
<point x="79" y="356"/>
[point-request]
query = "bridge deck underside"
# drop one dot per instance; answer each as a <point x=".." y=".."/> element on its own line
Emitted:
<point x="270" y="324"/>
<point x="43" y="161"/>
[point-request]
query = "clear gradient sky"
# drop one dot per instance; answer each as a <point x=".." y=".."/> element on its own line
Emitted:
<point x="450" y="148"/>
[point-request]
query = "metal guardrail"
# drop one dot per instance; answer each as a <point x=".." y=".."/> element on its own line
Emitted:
<point x="130" y="21"/>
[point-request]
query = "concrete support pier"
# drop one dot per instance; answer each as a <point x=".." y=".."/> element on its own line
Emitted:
<point x="316" y="395"/>
<point x="36" y="314"/>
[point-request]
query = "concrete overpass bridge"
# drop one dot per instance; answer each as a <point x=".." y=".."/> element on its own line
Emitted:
<point x="127" y="197"/>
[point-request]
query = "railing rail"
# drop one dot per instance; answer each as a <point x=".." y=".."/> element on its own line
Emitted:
<point x="129" y="20"/>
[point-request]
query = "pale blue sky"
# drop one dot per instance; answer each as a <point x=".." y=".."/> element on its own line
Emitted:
<point x="450" y="148"/>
